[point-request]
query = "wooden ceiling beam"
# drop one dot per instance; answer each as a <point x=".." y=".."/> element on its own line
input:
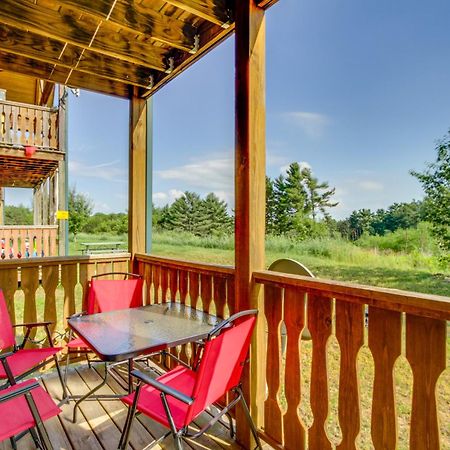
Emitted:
<point x="214" y="11"/>
<point x="66" y="26"/>
<point x="57" y="74"/>
<point x="133" y="17"/>
<point x="46" y="92"/>
<point x="50" y="51"/>
<point x="266" y="3"/>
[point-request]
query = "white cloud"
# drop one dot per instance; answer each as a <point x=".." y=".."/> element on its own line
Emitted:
<point x="313" y="124"/>
<point x="164" y="198"/>
<point x="209" y="175"/>
<point x="109" y="171"/>
<point x="370" y="185"/>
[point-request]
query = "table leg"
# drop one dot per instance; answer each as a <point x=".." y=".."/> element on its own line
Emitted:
<point x="130" y="377"/>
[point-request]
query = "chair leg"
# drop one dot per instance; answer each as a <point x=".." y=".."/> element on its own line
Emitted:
<point x="124" y="439"/>
<point x="35" y="437"/>
<point x="178" y="442"/>
<point x="13" y="442"/>
<point x="43" y="436"/>
<point x="67" y="366"/>
<point x="61" y="379"/>
<point x="250" y="420"/>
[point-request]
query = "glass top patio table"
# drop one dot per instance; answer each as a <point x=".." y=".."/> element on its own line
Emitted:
<point x="128" y="333"/>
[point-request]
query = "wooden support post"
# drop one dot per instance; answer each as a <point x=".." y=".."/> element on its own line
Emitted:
<point x="137" y="210"/>
<point x="250" y="192"/>
<point x="63" y="182"/>
<point x="53" y="199"/>
<point x="37" y="205"/>
<point x="45" y="201"/>
<point x="2" y="206"/>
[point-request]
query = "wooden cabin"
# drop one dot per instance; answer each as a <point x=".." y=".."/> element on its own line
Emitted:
<point x="133" y="48"/>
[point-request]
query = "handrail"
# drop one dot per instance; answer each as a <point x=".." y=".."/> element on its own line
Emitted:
<point x="29" y="105"/>
<point x="183" y="264"/>
<point x="433" y="306"/>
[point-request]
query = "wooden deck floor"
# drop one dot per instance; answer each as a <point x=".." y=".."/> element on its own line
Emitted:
<point x="99" y="423"/>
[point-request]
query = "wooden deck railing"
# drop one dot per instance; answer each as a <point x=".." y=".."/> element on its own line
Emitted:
<point x="23" y="124"/>
<point x="351" y="314"/>
<point x="52" y="288"/>
<point x="207" y="287"/>
<point x="28" y="241"/>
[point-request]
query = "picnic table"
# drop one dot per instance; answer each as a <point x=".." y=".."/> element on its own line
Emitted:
<point x="100" y="247"/>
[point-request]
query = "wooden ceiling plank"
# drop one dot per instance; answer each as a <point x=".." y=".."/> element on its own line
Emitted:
<point x="45" y="71"/>
<point x="30" y="45"/>
<point x="214" y="11"/>
<point x="65" y="26"/>
<point x="131" y="16"/>
<point x="265" y="4"/>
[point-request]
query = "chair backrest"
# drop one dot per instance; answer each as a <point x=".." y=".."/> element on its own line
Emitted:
<point x="221" y="365"/>
<point x="7" y="338"/>
<point x="111" y="295"/>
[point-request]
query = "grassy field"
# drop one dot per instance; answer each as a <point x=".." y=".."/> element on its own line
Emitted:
<point x="326" y="258"/>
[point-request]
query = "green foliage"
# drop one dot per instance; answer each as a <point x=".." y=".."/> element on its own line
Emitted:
<point x="18" y="215"/>
<point x="80" y="209"/>
<point x="435" y="181"/>
<point x="293" y="203"/>
<point x="116" y="223"/>
<point x="214" y="218"/>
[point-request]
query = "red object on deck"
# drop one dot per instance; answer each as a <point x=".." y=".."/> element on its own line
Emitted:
<point x="30" y="150"/>
<point x="15" y="411"/>
<point x="22" y="360"/>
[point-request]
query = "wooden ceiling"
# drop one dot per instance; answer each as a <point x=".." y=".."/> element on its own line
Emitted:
<point x="110" y="46"/>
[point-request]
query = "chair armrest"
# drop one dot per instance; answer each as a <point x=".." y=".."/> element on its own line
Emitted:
<point x="74" y="316"/>
<point x="4" y="397"/>
<point x="162" y="387"/>
<point x="33" y="324"/>
<point x="6" y="355"/>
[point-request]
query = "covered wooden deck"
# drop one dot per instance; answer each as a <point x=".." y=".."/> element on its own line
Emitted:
<point x="100" y="423"/>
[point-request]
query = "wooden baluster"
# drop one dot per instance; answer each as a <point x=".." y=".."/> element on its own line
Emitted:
<point x="183" y="278"/>
<point x="385" y="344"/>
<point x="45" y="129"/>
<point x="50" y="279"/>
<point x="230" y="295"/>
<point x="53" y="130"/>
<point x="7" y="110"/>
<point x="22" y="125"/>
<point x="9" y="285"/>
<point x="425" y="351"/>
<point x="29" y="278"/>
<point x="147" y="274"/>
<point x="86" y="272"/>
<point x="46" y="241"/>
<point x="156" y="269"/>
<point x="173" y="284"/>
<point x="319" y="324"/>
<point x="220" y="295"/>
<point x="273" y="423"/>
<point x="2" y="123"/>
<point x="183" y="285"/>
<point x="164" y="283"/>
<point x="350" y="335"/>
<point x="120" y="266"/>
<point x="194" y="288"/>
<point x="69" y="281"/>
<point x="39" y="134"/>
<point x="294" y="318"/>
<point x="206" y="291"/>
<point x="14" y="125"/>
<point x="104" y="267"/>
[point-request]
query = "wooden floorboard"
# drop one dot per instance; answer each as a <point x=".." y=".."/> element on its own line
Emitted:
<point x="100" y="423"/>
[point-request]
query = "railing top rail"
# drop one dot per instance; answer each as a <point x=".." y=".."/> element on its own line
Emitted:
<point x="56" y="260"/>
<point x="28" y="227"/>
<point x="434" y="306"/>
<point x="187" y="265"/>
<point x="28" y="105"/>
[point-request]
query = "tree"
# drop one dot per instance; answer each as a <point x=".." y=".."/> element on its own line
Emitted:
<point x="318" y="195"/>
<point x="214" y="218"/>
<point x="435" y="181"/>
<point x="80" y="209"/>
<point x="18" y="215"/>
<point x="270" y="207"/>
<point x="184" y="213"/>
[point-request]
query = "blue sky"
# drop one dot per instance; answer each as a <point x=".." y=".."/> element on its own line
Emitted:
<point x="359" y="91"/>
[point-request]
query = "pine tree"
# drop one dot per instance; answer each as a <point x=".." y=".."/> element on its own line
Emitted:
<point x="214" y="218"/>
<point x="282" y="210"/>
<point x="270" y="207"/>
<point x="184" y="213"/>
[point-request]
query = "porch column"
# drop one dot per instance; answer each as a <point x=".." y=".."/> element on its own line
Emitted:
<point x="140" y="195"/>
<point x="2" y="206"/>
<point x="250" y="192"/>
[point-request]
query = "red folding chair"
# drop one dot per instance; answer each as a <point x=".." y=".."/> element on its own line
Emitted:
<point x="24" y="407"/>
<point x="24" y="361"/>
<point x="105" y="295"/>
<point x="178" y="397"/>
